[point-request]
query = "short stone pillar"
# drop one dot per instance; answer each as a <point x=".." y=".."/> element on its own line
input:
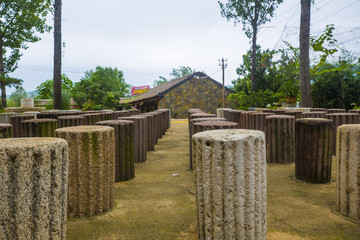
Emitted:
<point x="5" y="117"/>
<point x="230" y="181"/>
<point x="91" y="118"/>
<point x="313" y="114"/>
<point x="167" y="117"/>
<point x="124" y="148"/>
<point x="6" y="130"/>
<point x="313" y="151"/>
<point x="152" y="128"/>
<point x="347" y="169"/>
<point x="340" y="119"/>
<point x="257" y="120"/>
<point x="233" y="115"/>
<point x="123" y="113"/>
<point x="193" y="110"/>
<point x="56" y="114"/>
<point x="27" y="102"/>
<point x="336" y="110"/>
<point x="220" y="112"/>
<point x="91" y="169"/>
<point x="157" y="118"/>
<point x="318" y="110"/>
<point x="134" y="112"/>
<point x="296" y="114"/>
<point x="191" y="131"/>
<point x="140" y="145"/>
<point x="163" y="122"/>
<point x="280" y="139"/>
<point x="105" y="116"/>
<point x="34" y="184"/>
<point x="39" y="127"/>
<point x="16" y="122"/>
<point x="70" y="121"/>
<point x="244" y="119"/>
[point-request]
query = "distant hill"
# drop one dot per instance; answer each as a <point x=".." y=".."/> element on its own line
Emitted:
<point x="31" y="94"/>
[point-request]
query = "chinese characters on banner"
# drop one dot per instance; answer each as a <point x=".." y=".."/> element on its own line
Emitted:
<point x="139" y="90"/>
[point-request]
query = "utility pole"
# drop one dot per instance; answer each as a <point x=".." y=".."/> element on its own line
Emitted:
<point x="57" y="55"/>
<point x="223" y="65"/>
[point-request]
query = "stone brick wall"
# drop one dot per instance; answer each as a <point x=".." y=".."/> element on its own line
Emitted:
<point x="195" y="93"/>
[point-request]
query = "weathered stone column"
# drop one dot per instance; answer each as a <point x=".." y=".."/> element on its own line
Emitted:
<point x="233" y="115"/>
<point x="33" y="187"/>
<point x="157" y="117"/>
<point x="6" y="130"/>
<point x="335" y="110"/>
<point x="244" y="119"/>
<point x="348" y="171"/>
<point x="91" y="169"/>
<point x="192" y="129"/>
<point x="313" y="114"/>
<point x="16" y="122"/>
<point x="134" y="112"/>
<point x="357" y="111"/>
<point x="124" y="148"/>
<point x="167" y="113"/>
<point x="230" y="180"/>
<point x="152" y="130"/>
<point x="280" y="139"/>
<point x="220" y="112"/>
<point x="340" y="119"/>
<point x="163" y="122"/>
<point x="313" y="151"/>
<point x="91" y="118"/>
<point x="318" y="110"/>
<point x="123" y="113"/>
<point x="39" y="127"/>
<point x="70" y="121"/>
<point x="140" y="125"/>
<point x="257" y="120"/>
<point x="5" y="117"/>
<point x="56" y="114"/>
<point x="296" y="114"/>
<point x="104" y="116"/>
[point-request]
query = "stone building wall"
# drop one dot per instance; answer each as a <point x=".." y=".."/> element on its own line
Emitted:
<point x="195" y="93"/>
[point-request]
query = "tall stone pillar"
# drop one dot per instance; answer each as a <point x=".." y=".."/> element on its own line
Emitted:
<point x="230" y="180"/>
<point x="91" y="169"/>
<point x="280" y="139"/>
<point x="348" y="171"/>
<point x="33" y="188"/>
<point x="124" y="148"/>
<point x="313" y="151"/>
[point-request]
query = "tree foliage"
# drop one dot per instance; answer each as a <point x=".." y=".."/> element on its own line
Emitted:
<point x="45" y="89"/>
<point x="102" y="86"/>
<point x="16" y="96"/>
<point x="182" y="71"/>
<point x="20" y="20"/>
<point x="252" y="14"/>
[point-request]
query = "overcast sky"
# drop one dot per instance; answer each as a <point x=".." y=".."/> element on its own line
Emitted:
<point x="146" y="39"/>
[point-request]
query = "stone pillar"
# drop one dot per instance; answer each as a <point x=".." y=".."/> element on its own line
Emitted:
<point x="134" y="112"/>
<point x="5" y="117"/>
<point x="70" y="121"/>
<point x="104" y="116"/>
<point x="6" y="130"/>
<point x="313" y="151"/>
<point x="91" y="118"/>
<point x="16" y="122"/>
<point x="348" y="171"/>
<point x="192" y="111"/>
<point x="318" y="110"/>
<point x="34" y="183"/>
<point x="313" y="114"/>
<point x="230" y="180"/>
<point x="151" y="130"/>
<point x="340" y="119"/>
<point x="163" y="122"/>
<point x="34" y="113"/>
<point x="39" y="127"/>
<point x="257" y="120"/>
<point x="123" y="113"/>
<point x="91" y="169"/>
<point x="336" y="110"/>
<point x="167" y="113"/>
<point x="357" y="111"/>
<point x="27" y="102"/>
<point x="232" y="115"/>
<point x="157" y="116"/>
<point x="56" y="114"/>
<point x="220" y="112"/>
<point x="140" y="146"/>
<point x="191" y="131"/>
<point x="280" y="139"/>
<point x="278" y="111"/>
<point x="296" y="114"/>
<point x="124" y="148"/>
<point x="244" y="119"/>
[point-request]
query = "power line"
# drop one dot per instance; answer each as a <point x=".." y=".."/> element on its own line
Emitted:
<point x="342" y="9"/>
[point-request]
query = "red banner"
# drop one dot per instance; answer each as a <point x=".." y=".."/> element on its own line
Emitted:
<point x="139" y="90"/>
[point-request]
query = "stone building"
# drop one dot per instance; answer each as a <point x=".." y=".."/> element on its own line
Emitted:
<point x="193" y="91"/>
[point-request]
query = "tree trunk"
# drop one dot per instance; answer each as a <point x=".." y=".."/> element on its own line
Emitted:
<point x="305" y="91"/>
<point x="57" y="55"/>
<point x="2" y="77"/>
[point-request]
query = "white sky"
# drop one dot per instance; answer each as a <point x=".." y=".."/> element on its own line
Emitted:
<point x="146" y="39"/>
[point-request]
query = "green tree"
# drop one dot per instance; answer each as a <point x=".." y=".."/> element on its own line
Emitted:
<point x="16" y="96"/>
<point x="45" y="89"/>
<point x="19" y="20"/>
<point x="104" y="86"/>
<point x="182" y="71"/>
<point x="252" y="14"/>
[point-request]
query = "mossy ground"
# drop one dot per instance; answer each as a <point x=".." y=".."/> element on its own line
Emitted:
<point x="158" y="205"/>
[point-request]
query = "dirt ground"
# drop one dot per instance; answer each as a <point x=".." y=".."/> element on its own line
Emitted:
<point x="159" y="203"/>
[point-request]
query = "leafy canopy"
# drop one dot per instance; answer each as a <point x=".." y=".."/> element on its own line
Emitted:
<point x="102" y="86"/>
<point x="182" y="71"/>
<point x="45" y="89"/>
